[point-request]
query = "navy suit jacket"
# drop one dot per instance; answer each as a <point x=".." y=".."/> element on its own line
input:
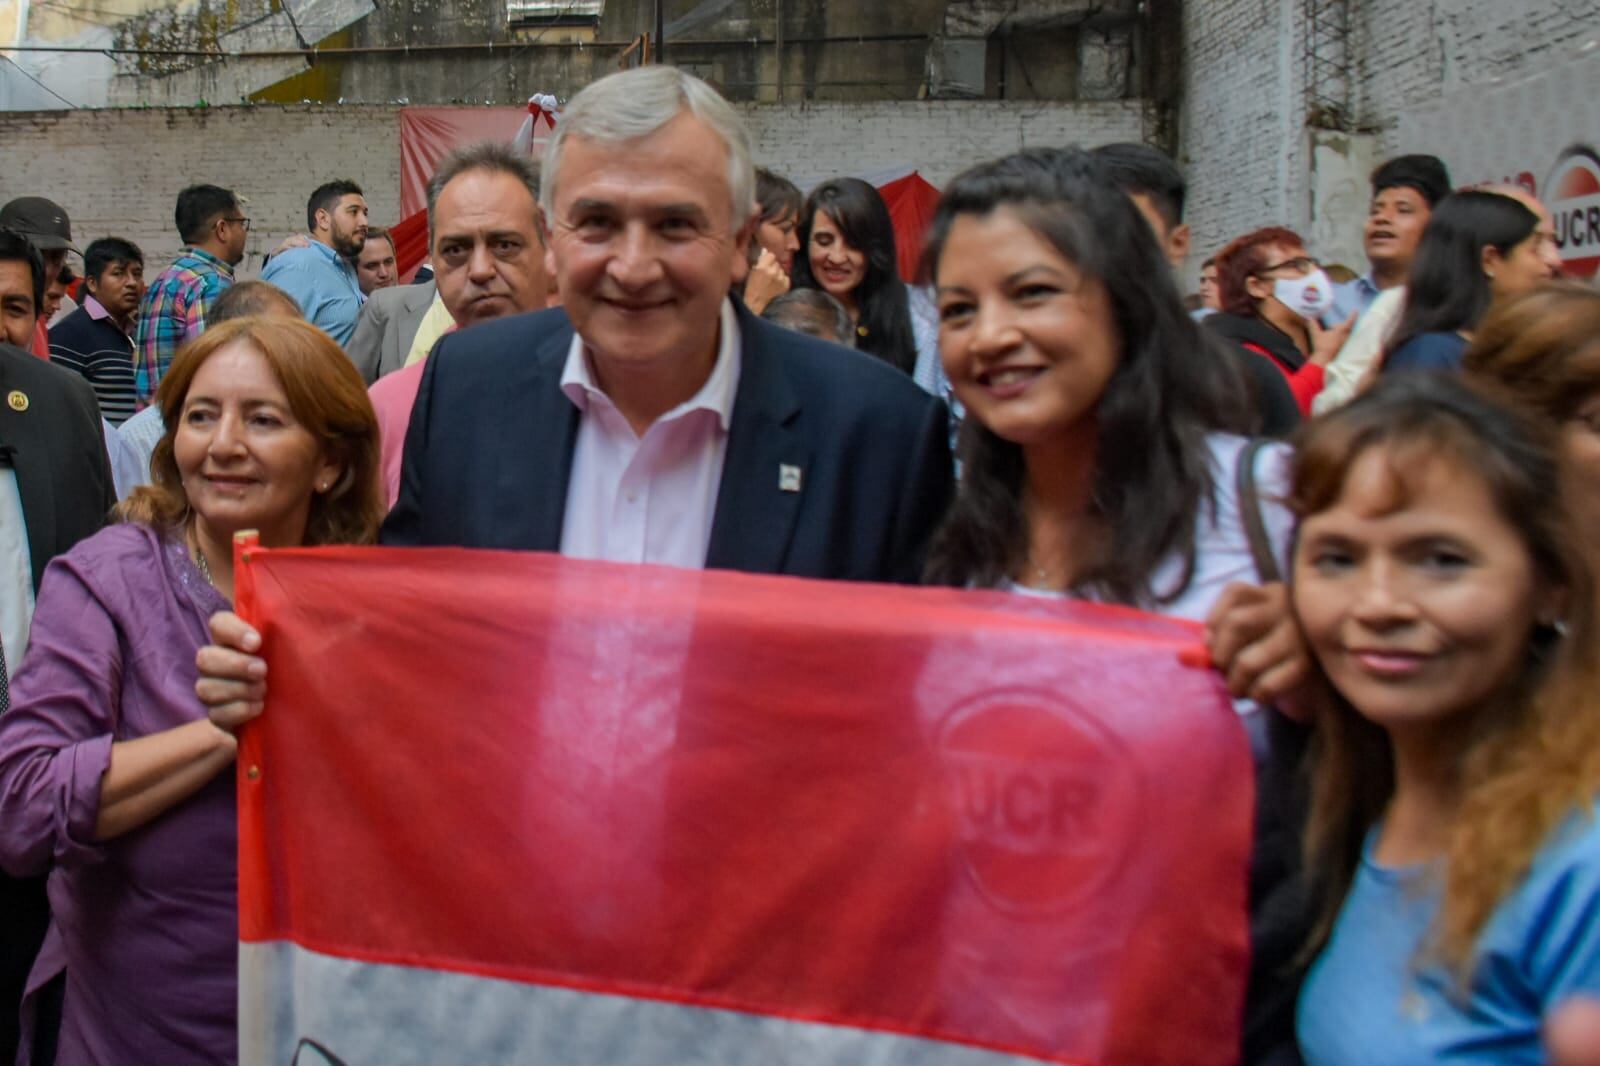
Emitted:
<point x="489" y="452"/>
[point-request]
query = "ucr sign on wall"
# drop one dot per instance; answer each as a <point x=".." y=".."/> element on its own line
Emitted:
<point x="1573" y="195"/>
<point x="1541" y="132"/>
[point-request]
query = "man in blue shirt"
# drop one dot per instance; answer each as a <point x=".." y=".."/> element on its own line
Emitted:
<point x="1404" y="192"/>
<point x="319" y="276"/>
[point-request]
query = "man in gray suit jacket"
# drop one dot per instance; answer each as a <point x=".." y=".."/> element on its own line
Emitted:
<point x="387" y="326"/>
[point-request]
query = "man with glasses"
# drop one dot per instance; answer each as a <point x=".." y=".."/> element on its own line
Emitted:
<point x="213" y="229"/>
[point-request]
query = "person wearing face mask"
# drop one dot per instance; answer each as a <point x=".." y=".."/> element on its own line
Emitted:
<point x="1273" y="298"/>
<point x="1480" y="249"/>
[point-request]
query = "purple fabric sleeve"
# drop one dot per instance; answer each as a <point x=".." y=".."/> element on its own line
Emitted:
<point x="55" y="742"/>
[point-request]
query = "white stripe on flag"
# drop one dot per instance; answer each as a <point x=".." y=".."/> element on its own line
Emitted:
<point x="305" y="1008"/>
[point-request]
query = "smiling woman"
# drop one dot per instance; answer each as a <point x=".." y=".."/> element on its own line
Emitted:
<point x="1452" y="836"/>
<point x="111" y="771"/>
<point x="848" y="251"/>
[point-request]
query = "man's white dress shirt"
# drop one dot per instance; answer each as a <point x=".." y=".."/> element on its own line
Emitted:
<point x="649" y="499"/>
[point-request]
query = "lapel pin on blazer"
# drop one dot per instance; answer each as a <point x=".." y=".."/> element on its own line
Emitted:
<point x="17" y="399"/>
<point x="788" y="478"/>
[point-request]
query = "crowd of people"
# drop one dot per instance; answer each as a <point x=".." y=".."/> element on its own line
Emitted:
<point x="648" y="350"/>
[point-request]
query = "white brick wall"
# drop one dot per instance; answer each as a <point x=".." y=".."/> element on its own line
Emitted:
<point x="1241" y="127"/>
<point x="118" y="172"/>
<point x="814" y="142"/>
<point x="1243" y="132"/>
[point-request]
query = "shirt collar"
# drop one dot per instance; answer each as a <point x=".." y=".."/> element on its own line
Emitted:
<point x="210" y="260"/>
<point x="716" y="395"/>
<point x="98" y="312"/>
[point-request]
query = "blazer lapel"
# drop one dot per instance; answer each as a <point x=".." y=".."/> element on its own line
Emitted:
<point x="23" y="432"/>
<point x="534" y="465"/>
<point x="766" y="464"/>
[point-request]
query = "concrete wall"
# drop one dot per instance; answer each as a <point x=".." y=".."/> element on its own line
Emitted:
<point x="1243" y="136"/>
<point x="117" y="172"/>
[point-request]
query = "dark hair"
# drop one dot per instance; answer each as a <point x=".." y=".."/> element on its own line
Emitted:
<point x="326" y="396"/>
<point x="1525" y="764"/>
<point x="863" y="220"/>
<point x="1140" y="169"/>
<point x="812" y="312"/>
<point x="777" y="196"/>
<point x="1446" y="290"/>
<point x="199" y="207"/>
<point x="327" y="197"/>
<point x="65" y="276"/>
<point x="243" y="299"/>
<point x="1152" y="464"/>
<point x="1243" y="259"/>
<point x="496" y="157"/>
<point x="380" y="233"/>
<point x="1424" y="173"/>
<point x="106" y="252"/>
<point x="14" y="246"/>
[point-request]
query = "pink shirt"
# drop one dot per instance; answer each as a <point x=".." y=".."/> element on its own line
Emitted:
<point x="648" y="499"/>
<point x="393" y="396"/>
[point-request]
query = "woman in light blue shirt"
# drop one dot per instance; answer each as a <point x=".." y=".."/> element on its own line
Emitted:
<point x="1445" y="595"/>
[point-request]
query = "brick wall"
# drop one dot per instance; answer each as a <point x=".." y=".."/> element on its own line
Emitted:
<point x="814" y="142"/>
<point x="118" y="171"/>
<point x="1243" y="137"/>
<point x="1241" y="129"/>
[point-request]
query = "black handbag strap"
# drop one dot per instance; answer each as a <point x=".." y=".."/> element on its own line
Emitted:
<point x="1249" y="502"/>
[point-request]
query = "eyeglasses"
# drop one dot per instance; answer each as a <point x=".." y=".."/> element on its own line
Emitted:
<point x="1303" y="263"/>
<point x="245" y="222"/>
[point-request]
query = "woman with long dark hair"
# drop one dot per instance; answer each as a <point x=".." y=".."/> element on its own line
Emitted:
<point x="848" y="251"/>
<point x="1448" y="599"/>
<point x="1098" y="450"/>
<point x="1480" y="248"/>
<point x="1102" y="458"/>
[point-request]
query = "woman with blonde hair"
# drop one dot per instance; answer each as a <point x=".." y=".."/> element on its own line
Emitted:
<point x="112" y="773"/>
<point x="1448" y="599"/>
<point x="1542" y="350"/>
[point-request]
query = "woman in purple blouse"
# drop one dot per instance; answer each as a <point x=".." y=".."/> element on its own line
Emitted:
<point x="111" y="771"/>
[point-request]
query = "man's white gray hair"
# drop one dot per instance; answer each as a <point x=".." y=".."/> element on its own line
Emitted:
<point x="633" y="104"/>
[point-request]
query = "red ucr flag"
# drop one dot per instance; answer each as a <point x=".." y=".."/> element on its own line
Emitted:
<point x="519" y="808"/>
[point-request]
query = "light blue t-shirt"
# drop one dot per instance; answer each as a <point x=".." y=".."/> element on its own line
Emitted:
<point x="323" y="284"/>
<point x="1352" y="298"/>
<point x="1363" y="1004"/>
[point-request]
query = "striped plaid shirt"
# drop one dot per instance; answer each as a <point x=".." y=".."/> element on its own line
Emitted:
<point x="174" y="309"/>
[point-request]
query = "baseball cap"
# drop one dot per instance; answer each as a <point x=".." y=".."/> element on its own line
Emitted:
<point x="42" y="221"/>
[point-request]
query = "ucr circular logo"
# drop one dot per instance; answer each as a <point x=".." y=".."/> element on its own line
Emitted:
<point x="1046" y="801"/>
<point x="1573" y="192"/>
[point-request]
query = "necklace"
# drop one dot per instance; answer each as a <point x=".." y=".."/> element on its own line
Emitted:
<point x="200" y="561"/>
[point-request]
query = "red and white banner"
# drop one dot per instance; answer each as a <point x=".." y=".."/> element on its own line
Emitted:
<point x="509" y="808"/>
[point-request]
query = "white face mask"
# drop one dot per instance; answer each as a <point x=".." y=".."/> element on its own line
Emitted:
<point x="1309" y="297"/>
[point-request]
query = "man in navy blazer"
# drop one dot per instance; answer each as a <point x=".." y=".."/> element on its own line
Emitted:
<point x="788" y="455"/>
<point x="651" y="418"/>
<point x="836" y="464"/>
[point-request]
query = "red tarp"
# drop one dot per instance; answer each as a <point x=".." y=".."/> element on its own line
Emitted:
<point x="514" y="807"/>
<point x="911" y="202"/>
<point x="427" y="134"/>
